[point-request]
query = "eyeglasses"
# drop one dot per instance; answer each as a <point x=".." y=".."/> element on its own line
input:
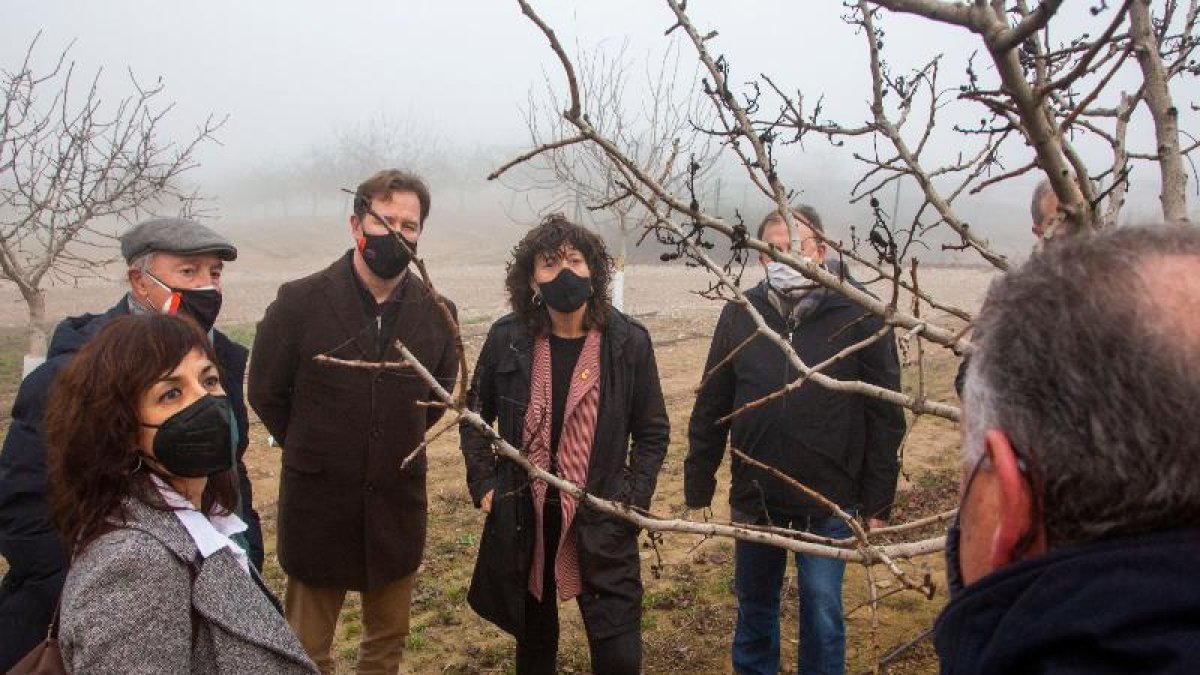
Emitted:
<point x="1028" y="537"/>
<point x="817" y="241"/>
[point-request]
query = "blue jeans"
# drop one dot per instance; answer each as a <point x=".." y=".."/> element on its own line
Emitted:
<point x="757" y="580"/>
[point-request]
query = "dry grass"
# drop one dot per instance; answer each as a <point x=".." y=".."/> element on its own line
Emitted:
<point x="688" y="609"/>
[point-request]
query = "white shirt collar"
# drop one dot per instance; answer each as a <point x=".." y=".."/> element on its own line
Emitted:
<point x="209" y="533"/>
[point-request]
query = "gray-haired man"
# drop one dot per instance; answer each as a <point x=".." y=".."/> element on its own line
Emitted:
<point x="1079" y="527"/>
<point x="175" y="266"/>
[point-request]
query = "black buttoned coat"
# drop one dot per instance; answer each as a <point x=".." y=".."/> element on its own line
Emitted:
<point x="349" y="516"/>
<point x="628" y="448"/>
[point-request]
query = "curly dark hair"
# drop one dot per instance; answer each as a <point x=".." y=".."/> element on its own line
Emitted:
<point x="549" y="237"/>
<point x="92" y="424"/>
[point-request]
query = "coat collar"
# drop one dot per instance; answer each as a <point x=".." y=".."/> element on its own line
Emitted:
<point x="212" y="596"/>
<point x="616" y="333"/>
<point x="342" y="295"/>
<point x="1059" y="608"/>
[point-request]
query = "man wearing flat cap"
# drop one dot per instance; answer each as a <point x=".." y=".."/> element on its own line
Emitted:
<point x="175" y="267"/>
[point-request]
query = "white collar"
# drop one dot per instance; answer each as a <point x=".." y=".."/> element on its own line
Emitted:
<point x="209" y="533"/>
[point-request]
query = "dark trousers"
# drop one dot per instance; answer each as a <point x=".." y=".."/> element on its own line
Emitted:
<point x="537" y="649"/>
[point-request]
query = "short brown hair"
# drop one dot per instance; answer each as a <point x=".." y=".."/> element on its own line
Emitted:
<point x="92" y="424"/>
<point x="384" y="184"/>
<point x="804" y="213"/>
<point x="549" y="237"/>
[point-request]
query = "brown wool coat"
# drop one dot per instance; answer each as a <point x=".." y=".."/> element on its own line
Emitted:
<point x="349" y="517"/>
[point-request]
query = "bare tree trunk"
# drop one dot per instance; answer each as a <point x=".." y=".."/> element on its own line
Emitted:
<point x="618" y="282"/>
<point x="1163" y="111"/>
<point x="35" y="300"/>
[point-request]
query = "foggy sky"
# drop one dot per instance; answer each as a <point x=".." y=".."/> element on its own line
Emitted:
<point x="289" y="74"/>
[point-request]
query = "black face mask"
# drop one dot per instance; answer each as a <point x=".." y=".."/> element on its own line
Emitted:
<point x="202" y="304"/>
<point x="567" y="292"/>
<point x="954" y="577"/>
<point x="385" y="257"/>
<point x="197" y="441"/>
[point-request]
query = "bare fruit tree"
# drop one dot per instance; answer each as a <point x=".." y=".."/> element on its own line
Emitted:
<point x="1045" y="95"/>
<point x="68" y="163"/>
<point x="653" y="119"/>
<point x="382" y="140"/>
<point x="1038" y="93"/>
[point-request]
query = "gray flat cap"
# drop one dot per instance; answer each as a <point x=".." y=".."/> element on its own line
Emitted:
<point x="174" y="235"/>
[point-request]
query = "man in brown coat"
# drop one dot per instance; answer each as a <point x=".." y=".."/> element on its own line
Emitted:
<point x="350" y="518"/>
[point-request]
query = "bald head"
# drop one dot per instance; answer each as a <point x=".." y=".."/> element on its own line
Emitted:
<point x="1171" y="302"/>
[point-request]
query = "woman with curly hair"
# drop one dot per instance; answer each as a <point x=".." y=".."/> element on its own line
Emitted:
<point x="574" y="384"/>
<point x="143" y="492"/>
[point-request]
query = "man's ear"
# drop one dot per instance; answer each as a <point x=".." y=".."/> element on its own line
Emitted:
<point x="1015" y="520"/>
<point x="822" y="252"/>
<point x="137" y="281"/>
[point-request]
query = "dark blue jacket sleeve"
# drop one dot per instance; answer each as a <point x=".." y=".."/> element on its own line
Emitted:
<point x="28" y="540"/>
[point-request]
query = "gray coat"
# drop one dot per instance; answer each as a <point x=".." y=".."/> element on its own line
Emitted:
<point x="126" y="608"/>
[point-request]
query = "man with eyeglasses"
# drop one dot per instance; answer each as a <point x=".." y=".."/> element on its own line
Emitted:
<point x="352" y="495"/>
<point x="840" y="444"/>
<point x="1079" y="526"/>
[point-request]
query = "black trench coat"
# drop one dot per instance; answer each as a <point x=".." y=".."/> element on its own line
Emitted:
<point x="631" y="409"/>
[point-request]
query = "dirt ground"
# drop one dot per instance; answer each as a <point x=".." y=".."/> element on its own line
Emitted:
<point x="688" y="609"/>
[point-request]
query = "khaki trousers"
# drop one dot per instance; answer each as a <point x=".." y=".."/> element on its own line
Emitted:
<point x="312" y="612"/>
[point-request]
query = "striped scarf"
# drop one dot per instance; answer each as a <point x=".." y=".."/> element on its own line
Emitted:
<point x="574" y="451"/>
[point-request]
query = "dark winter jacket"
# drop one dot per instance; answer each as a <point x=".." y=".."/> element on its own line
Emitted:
<point x="349" y="516"/>
<point x="842" y="445"/>
<point x="631" y="409"/>
<point x="1119" y="607"/>
<point x="28" y="540"/>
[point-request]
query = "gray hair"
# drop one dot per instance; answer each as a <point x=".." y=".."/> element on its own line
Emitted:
<point x="1089" y="360"/>
<point x="142" y="262"/>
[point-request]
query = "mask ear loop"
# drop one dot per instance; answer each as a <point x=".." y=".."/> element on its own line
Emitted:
<point x="171" y="306"/>
<point x="535" y="298"/>
<point x="140" y="459"/>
